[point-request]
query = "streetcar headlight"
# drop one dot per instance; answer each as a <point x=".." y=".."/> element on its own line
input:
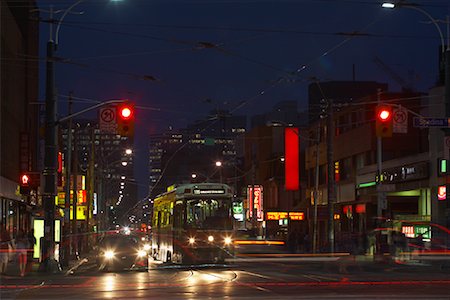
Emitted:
<point x="191" y="240"/>
<point x="210" y="238"/>
<point x="147" y="247"/>
<point x="142" y="253"/>
<point x="227" y="240"/>
<point x="109" y="254"/>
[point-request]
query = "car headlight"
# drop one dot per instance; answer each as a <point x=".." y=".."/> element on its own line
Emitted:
<point x="142" y="253"/>
<point x="109" y="254"/>
<point x="191" y="240"/>
<point x="210" y="238"/>
<point x="147" y="247"/>
<point x="227" y="240"/>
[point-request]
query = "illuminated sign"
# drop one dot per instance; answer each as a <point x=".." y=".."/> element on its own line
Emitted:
<point x="208" y="192"/>
<point x="291" y="161"/>
<point x="81" y="199"/>
<point x="360" y="208"/>
<point x="275" y="215"/>
<point x="296" y="216"/>
<point x="408" y="231"/>
<point x="337" y="176"/>
<point x="280" y="215"/>
<point x="404" y="173"/>
<point x="255" y="200"/>
<point x="442" y="192"/>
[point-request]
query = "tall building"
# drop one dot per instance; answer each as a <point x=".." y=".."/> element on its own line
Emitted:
<point x="111" y="175"/>
<point x="177" y="155"/>
<point x="18" y="110"/>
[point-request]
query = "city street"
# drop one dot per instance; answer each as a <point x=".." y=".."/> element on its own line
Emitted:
<point x="299" y="278"/>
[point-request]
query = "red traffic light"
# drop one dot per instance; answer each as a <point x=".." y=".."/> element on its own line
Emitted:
<point x="383" y="126"/>
<point x="384" y="114"/>
<point x="125" y="119"/>
<point x="125" y="112"/>
<point x="24" y="180"/>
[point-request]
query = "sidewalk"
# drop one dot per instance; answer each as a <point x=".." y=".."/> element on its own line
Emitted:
<point x="85" y="262"/>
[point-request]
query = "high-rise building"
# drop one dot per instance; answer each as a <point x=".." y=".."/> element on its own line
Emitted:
<point x="177" y="156"/>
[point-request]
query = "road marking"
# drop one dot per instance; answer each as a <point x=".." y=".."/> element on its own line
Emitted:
<point x="258" y="275"/>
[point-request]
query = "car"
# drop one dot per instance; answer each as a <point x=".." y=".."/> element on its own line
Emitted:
<point x="121" y="252"/>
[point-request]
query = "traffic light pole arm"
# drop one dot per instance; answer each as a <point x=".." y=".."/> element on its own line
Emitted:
<point x="66" y="118"/>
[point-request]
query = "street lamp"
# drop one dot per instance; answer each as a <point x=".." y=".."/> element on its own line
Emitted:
<point x="446" y="57"/>
<point x="391" y="5"/>
<point x="128" y="151"/>
<point x="49" y="263"/>
<point x="219" y="165"/>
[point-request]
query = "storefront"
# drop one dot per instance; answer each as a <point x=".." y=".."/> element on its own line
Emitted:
<point x="15" y="212"/>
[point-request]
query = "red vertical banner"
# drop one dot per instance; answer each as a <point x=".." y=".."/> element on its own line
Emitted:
<point x="250" y="201"/>
<point x="258" y="202"/>
<point x="291" y="155"/>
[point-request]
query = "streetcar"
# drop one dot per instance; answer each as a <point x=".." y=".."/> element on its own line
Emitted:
<point x="193" y="223"/>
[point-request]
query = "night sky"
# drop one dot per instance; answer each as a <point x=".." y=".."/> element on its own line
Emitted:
<point x="171" y="56"/>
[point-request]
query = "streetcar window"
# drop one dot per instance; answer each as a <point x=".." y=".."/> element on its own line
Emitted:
<point x="208" y="214"/>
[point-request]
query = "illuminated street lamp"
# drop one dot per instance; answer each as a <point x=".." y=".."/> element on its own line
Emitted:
<point x="124" y="163"/>
<point x="128" y="151"/>
<point x="218" y="163"/>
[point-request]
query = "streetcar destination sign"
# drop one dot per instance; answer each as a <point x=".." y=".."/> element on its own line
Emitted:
<point x="431" y="122"/>
<point x="202" y="192"/>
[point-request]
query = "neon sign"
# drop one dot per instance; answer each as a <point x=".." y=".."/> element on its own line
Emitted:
<point x="255" y="200"/>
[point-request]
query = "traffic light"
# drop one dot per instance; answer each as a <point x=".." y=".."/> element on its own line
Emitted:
<point x="125" y="119"/>
<point x="383" y="126"/>
<point x="25" y="184"/>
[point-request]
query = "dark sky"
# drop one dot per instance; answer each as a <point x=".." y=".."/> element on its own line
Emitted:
<point x="169" y="56"/>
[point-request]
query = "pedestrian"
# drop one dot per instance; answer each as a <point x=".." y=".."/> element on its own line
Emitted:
<point x="22" y="246"/>
<point x="31" y="244"/>
<point x="5" y="244"/>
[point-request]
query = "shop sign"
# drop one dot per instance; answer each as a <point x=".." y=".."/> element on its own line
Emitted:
<point x="255" y="201"/>
<point x="281" y="215"/>
<point x="404" y="173"/>
<point x="297" y="216"/>
<point x="276" y="215"/>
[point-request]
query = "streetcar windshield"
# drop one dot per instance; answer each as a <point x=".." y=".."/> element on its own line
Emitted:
<point x="209" y="214"/>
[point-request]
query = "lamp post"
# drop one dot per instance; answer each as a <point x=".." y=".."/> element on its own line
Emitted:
<point x="443" y="210"/>
<point x="49" y="264"/>
<point x="219" y="165"/>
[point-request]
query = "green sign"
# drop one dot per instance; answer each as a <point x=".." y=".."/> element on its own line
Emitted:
<point x="238" y="208"/>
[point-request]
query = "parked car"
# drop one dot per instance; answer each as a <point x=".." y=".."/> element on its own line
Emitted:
<point x="121" y="252"/>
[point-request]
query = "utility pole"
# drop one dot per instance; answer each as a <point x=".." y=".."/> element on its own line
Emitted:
<point x="331" y="185"/>
<point x="68" y="166"/>
<point x="446" y="203"/>
<point x="316" y="190"/>
<point x="91" y="186"/>
<point x="75" y="236"/>
<point x="49" y="263"/>
<point x="380" y="195"/>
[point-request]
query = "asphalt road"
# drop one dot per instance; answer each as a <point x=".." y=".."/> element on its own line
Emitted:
<point x="246" y="279"/>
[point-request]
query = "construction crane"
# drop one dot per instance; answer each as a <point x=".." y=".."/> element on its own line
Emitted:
<point x="406" y="86"/>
